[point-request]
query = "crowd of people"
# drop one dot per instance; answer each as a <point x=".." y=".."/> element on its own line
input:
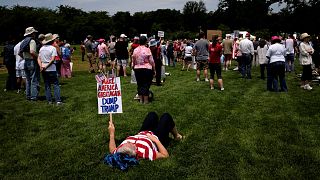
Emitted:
<point x="48" y="55"/>
<point x="35" y="55"/>
<point x="147" y="58"/>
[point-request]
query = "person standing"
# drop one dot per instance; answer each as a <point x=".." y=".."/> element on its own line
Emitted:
<point x="227" y="51"/>
<point x="144" y="68"/>
<point x="187" y="56"/>
<point x="10" y="62"/>
<point x="289" y="45"/>
<point x="20" y="72"/>
<point x="247" y="52"/>
<point x="305" y="59"/>
<point x="31" y="67"/>
<point x="48" y="68"/>
<point x="83" y="50"/>
<point x="215" y="52"/>
<point x="112" y="52"/>
<point x="170" y="53"/>
<point x="276" y="55"/>
<point x="156" y="54"/>
<point x="102" y="52"/>
<point x="90" y="52"/>
<point x="66" y="60"/>
<point x="201" y="48"/>
<point x="122" y="54"/>
<point x="263" y="61"/>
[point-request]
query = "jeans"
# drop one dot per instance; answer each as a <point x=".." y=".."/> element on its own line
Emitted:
<point x="246" y="65"/>
<point x="51" y="77"/>
<point x="278" y="73"/>
<point x="269" y="78"/>
<point x="262" y="68"/>
<point x="32" y="70"/>
<point x="160" y="128"/>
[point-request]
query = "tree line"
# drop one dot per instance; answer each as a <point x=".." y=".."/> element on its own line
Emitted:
<point x="74" y="24"/>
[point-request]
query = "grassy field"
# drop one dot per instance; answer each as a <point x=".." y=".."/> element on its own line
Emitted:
<point x="244" y="132"/>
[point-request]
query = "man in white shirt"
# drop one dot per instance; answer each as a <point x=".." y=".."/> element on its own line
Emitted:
<point x="247" y="51"/>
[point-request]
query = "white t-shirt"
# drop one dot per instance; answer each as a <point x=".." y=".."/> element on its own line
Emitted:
<point x="188" y="51"/>
<point x="19" y="60"/>
<point x="276" y="52"/>
<point x="46" y="53"/>
<point x="289" y="46"/>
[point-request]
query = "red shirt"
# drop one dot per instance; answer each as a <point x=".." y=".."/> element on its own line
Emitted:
<point x="215" y="53"/>
<point x="146" y="149"/>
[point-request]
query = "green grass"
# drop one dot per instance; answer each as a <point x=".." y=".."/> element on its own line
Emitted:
<point x="244" y="132"/>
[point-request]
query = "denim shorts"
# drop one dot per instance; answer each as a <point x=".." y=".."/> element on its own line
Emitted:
<point x="122" y="62"/>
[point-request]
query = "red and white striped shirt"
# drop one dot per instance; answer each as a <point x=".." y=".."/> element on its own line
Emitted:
<point x="146" y="149"/>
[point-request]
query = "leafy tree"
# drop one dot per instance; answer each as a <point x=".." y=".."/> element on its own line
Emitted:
<point x="194" y="14"/>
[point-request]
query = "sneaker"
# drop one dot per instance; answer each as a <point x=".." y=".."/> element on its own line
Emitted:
<point x="222" y="89"/>
<point x="198" y="79"/>
<point x="307" y="87"/>
<point x="236" y="69"/>
<point x="206" y="79"/>
<point x="59" y="103"/>
<point x="212" y="88"/>
<point x="302" y="86"/>
<point x="18" y="91"/>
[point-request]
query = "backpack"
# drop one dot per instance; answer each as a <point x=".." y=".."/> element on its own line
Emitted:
<point x="24" y="46"/>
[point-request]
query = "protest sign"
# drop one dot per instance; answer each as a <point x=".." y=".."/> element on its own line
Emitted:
<point x="109" y="96"/>
<point x="160" y="33"/>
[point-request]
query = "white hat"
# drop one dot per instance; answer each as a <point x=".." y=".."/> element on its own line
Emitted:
<point x="304" y="35"/>
<point x="48" y="37"/>
<point x="30" y="30"/>
<point x="152" y="42"/>
<point x="67" y="45"/>
<point x="123" y="36"/>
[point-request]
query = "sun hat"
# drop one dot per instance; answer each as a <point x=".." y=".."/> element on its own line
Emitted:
<point x="67" y="45"/>
<point x="41" y="36"/>
<point x="56" y="36"/>
<point x="47" y="38"/>
<point x="30" y="30"/>
<point x="123" y="36"/>
<point x="152" y="42"/>
<point x="304" y="35"/>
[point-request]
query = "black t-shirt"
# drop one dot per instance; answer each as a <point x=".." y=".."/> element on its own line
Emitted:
<point x="121" y="50"/>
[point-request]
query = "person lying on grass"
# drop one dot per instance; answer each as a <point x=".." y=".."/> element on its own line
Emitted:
<point x="150" y="143"/>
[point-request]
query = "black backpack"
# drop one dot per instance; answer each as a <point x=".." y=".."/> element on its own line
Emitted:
<point x="24" y="46"/>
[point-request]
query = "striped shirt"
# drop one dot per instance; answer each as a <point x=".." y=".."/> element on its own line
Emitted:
<point x="146" y="149"/>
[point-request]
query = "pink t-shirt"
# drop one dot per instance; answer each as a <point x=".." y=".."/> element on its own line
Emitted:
<point x="142" y="58"/>
<point x="102" y="49"/>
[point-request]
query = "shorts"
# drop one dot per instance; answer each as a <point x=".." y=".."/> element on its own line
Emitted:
<point x="103" y="60"/>
<point x="21" y="73"/>
<point x="202" y="65"/>
<point x="122" y="62"/>
<point x="112" y="56"/>
<point x="228" y="57"/>
<point x="215" y="68"/>
<point x="290" y="57"/>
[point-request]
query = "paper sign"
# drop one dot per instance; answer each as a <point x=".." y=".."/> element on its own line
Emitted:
<point x="100" y="77"/>
<point x="160" y="33"/>
<point x="109" y="96"/>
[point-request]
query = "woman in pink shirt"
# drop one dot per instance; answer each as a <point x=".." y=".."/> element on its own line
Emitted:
<point x="144" y="69"/>
<point x="102" y="52"/>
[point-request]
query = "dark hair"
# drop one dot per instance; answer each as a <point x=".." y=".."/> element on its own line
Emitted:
<point x="142" y="40"/>
<point x="262" y="43"/>
<point x="201" y="35"/>
<point x="214" y="39"/>
<point x="276" y="41"/>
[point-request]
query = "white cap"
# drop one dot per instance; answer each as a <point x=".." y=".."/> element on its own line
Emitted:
<point x="123" y="36"/>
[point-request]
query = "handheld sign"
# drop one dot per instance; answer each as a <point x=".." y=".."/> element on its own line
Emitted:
<point x="160" y="33"/>
<point x="109" y="96"/>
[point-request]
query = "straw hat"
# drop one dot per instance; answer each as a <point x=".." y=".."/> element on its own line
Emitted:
<point x="48" y="37"/>
<point x="304" y="35"/>
<point x="30" y="30"/>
